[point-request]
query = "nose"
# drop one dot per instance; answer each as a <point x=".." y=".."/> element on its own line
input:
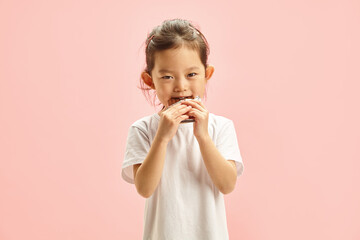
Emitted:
<point x="180" y="85"/>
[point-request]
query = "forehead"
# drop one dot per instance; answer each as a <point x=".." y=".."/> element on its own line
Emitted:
<point x="177" y="59"/>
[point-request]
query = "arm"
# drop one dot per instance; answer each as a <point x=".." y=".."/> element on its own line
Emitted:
<point x="222" y="171"/>
<point x="147" y="175"/>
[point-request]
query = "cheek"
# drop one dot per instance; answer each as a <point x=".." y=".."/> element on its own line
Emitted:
<point x="162" y="95"/>
<point x="165" y="89"/>
<point x="161" y="91"/>
<point x="200" y="86"/>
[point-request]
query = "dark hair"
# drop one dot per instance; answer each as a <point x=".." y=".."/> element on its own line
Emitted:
<point x="172" y="34"/>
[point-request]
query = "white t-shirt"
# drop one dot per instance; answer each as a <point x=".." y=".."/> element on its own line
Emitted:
<point x="186" y="204"/>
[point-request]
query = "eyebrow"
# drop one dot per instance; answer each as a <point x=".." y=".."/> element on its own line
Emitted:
<point x="169" y="71"/>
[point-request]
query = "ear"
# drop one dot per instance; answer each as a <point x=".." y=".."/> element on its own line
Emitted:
<point x="147" y="79"/>
<point x="209" y="72"/>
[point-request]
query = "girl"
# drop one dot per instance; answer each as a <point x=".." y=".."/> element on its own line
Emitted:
<point x="181" y="167"/>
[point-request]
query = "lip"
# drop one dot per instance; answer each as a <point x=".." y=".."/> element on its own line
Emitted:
<point x="175" y="100"/>
<point x="184" y="97"/>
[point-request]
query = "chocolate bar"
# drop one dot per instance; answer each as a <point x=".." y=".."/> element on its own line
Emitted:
<point x="191" y="119"/>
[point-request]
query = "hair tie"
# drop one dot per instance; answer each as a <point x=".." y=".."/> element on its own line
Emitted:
<point x="195" y="30"/>
<point x="149" y="40"/>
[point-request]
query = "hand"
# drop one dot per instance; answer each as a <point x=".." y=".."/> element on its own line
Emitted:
<point x="170" y="120"/>
<point x="201" y="115"/>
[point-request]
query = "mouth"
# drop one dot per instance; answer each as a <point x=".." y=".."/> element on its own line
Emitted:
<point x="174" y="100"/>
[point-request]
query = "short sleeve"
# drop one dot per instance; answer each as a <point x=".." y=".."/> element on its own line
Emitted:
<point x="137" y="147"/>
<point x="227" y="145"/>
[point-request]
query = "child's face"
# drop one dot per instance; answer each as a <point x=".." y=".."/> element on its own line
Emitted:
<point x="179" y="73"/>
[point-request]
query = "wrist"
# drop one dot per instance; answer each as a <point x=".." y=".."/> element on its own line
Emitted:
<point x="203" y="138"/>
<point x="161" y="140"/>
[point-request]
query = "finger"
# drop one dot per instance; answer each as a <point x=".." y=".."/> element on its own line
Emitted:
<point x="174" y="104"/>
<point x="194" y="104"/>
<point x="195" y="113"/>
<point x="182" y="117"/>
<point x="174" y="108"/>
<point x="201" y="103"/>
<point x="181" y="111"/>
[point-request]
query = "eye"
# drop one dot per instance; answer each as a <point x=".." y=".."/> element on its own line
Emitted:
<point x="166" y="77"/>
<point x="192" y="74"/>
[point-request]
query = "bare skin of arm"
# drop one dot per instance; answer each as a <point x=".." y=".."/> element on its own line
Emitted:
<point x="148" y="174"/>
<point x="222" y="172"/>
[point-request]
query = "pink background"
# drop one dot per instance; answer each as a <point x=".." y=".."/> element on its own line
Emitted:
<point x="286" y="72"/>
